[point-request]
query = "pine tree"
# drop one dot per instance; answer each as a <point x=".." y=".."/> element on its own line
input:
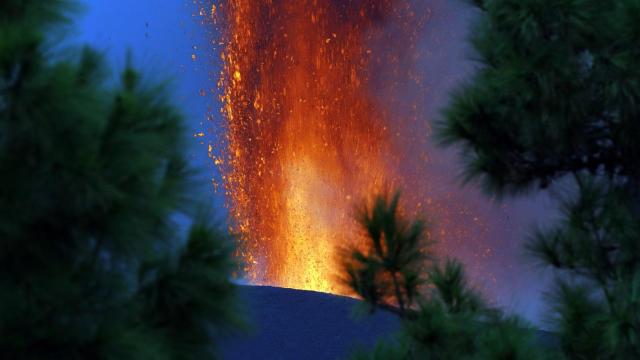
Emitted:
<point x="389" y="272"/>
<point x="556" y="96"/>
<point x="92" y="264"/>
<point x="443" y="318"/>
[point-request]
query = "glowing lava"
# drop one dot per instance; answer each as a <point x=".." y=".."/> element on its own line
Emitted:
<point x="308" y="132"/>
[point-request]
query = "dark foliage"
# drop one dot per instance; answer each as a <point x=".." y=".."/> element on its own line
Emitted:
<point x="391" y="270"/>
<point x="556" y="95"/>
<point x="443" y="317"/>
<point x="91" y="177"/>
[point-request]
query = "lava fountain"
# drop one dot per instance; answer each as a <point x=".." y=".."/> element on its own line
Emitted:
<point x="308" y="129"/>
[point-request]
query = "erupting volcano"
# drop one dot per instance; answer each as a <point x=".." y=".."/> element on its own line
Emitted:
<point x="308" y="87"/>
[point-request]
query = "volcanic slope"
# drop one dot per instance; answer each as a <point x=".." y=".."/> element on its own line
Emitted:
<point x="298" y="324"/>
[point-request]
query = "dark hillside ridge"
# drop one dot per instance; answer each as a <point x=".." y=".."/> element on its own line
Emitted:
<point x="298" y="324"/>
<point x="307" y="325"/>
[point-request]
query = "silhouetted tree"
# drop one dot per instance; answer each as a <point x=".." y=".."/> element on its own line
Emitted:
<point x="389" y="271"/>
<point x="443" y="317"/>
<point x="556" y="96"/>
<point x="92" y="175"/>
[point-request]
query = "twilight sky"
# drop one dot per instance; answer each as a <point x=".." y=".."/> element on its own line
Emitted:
<point x="165" y="34"/>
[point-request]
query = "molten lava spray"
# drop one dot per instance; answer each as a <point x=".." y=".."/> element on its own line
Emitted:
<point x="308" y="131"/>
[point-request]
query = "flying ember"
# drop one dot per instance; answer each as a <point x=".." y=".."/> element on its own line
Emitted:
<point x="310" y="130"/>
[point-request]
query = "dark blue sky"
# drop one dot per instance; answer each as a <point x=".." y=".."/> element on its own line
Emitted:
<point x="164" y="35"/>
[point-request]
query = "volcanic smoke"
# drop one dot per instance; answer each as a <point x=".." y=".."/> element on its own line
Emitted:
<point x="315" y="122"/>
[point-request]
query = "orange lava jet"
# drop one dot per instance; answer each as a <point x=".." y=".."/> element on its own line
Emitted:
<point x="308" y="131"/>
